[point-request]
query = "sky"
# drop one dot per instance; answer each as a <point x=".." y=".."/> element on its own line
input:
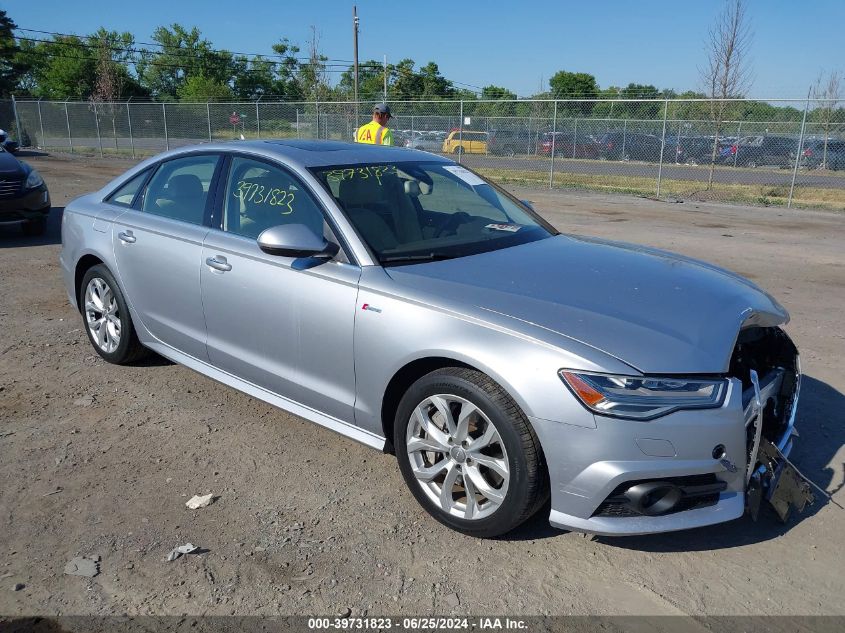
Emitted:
<point x="517" y="45"/>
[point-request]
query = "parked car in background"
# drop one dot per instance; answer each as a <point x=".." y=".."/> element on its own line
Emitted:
<point x="24" y="197"/>
<point x="623" y="145"/>
<point x="814" y="157"/>
<point x="465" y="142"/>
<point x="512" y="142"/>
<point x="689" y="150"/>
<point x="405" y="302"/>
<point x="426" y="142"/>
<point x="569" y="145"/>
<point x="754" y="151"/>
<point x="8" y="144"/>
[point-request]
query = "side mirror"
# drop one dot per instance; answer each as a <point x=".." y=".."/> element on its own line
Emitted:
<point x="294" y="240"/>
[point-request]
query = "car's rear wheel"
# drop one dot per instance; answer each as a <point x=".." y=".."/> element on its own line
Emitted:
<point x="35" y="226"/>
<point x="106" y="318"/>
<point x="468" y="453"/>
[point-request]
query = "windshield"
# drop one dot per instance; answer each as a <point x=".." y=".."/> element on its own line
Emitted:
<point x="416" y="211"/>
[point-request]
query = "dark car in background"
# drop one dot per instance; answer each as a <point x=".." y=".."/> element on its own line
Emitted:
<point x="512" y="142"/>
<point x="816" y="156"/>
<point x="569" y="145"/>
<point x="629" y="146"/>
<point x="691" y="150"/>
<point x="23" y="195"/>
<point x="754" y="151"/>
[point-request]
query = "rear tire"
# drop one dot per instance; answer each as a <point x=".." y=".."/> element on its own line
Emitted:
<point x="478" y="469"/>
<point x="34" y="227"/>
<point x="106" y="318"/>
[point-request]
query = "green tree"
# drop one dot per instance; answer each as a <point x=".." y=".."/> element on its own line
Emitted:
<point x="181" y="55"/>
<point x="567" y="85"/>
<point x="64" y="68"/>
<point x="11" y="65"/>
<point x="199" y="88"/>
<point x="640" y="109"/>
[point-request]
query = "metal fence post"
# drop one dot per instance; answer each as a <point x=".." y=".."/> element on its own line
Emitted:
<point x="166" y="138"/>
<point x="554" y="138"/>
<point x="257" y="119"/>
<point x="41" y="124"/>
<point x="624" y="136"/>
<point x="662" y="145"/>
<point x="298" y="133"/>
<point x="69" y="136"/>
<point x="461" y="133"/>
<point x="208" y="116"/>
<point x="738" y="136"/>
<point x="97" y="125"/>
<point x="575" y="138"/>
<point x="17" y="120"/>
<point x="317" y="109"/>
<point x="798" y="151"/>
<point x="129" y="120"/>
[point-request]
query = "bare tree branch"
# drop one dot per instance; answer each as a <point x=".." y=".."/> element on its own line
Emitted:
<point x="828" y="92"/>
<point x="727" y="73"/>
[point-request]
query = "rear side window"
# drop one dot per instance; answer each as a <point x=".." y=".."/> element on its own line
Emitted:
<point x="126" y="194"/>
<point x="260" y="196"/>
<point x="179" y="189"/>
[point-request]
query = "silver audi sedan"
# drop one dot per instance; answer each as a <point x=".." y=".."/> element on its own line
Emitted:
<point x="402" y="300"/>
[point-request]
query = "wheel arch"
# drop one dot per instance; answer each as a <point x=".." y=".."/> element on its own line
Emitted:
<point x="415" y="369"/>
<point x="83" y="265"/>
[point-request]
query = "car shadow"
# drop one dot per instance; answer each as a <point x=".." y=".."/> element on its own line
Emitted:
<point x="12" y="236"/>
<point x="819" y="421"/>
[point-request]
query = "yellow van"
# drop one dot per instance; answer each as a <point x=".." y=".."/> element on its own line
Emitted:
<point x="465" y="142"/>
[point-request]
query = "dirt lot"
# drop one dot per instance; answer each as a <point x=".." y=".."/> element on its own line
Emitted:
<point x="98" y="460"/>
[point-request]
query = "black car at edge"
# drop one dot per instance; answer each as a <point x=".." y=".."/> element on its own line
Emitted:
<point x="23" y="195"/>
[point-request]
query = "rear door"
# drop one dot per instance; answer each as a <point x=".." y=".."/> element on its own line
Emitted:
<point x="158" y="247"/>
<point x="280" y="323"/>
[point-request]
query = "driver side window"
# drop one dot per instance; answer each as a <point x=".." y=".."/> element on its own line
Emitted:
<point x="260" y="196"/>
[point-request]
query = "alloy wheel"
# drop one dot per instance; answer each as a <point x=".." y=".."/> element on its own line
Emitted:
<point x="102" y="315"/>
<point x="457" y="456"/>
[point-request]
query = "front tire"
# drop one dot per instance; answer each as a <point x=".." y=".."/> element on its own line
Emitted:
<point x="468" y="453"/>
<point x="106" y="318"/>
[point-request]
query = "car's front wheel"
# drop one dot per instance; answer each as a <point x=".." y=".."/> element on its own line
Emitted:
<point x="468" y="453"/>
<point x="106" y="318"/>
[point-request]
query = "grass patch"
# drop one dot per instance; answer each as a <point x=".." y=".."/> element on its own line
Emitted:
<point x="767" y="195"/>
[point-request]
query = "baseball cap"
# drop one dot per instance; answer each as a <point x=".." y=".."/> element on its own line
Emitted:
<point x="382" y="108"/>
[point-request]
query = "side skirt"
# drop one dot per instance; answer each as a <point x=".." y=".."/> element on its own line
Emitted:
<point x="339" y="426"/>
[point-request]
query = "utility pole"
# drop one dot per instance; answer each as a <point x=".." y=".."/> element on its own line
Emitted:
<point x="355" y="58"/>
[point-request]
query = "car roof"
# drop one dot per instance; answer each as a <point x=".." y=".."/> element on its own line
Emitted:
<point x="315" y="153"/>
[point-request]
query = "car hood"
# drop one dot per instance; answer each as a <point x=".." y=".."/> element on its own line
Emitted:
<point x="656" y="311"/>
<point x="10" y="166"/>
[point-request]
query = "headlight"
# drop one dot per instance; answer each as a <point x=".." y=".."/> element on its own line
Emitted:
<point x="643" y="398"/>
<point x="33" y="180"/>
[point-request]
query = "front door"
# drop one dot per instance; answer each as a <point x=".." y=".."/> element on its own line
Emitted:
<point x="280" y="323"/>
<point x="157" y="248"/>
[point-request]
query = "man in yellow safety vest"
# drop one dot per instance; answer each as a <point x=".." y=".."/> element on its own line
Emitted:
<point x="376" y="131"/>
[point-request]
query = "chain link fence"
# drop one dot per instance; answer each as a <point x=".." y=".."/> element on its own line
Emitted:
<point x="775" y="152"/>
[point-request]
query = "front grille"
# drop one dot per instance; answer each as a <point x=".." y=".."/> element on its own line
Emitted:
<point x="699" y="491"/>
<point x="10" y="188"/>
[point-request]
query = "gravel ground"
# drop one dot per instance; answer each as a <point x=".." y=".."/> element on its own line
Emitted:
<point x="98" y="461"/>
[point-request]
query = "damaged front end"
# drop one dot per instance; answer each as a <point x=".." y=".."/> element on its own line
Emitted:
<point x="766" y="361"/>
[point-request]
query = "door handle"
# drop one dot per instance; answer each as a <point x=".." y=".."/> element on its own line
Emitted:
<point x="127" y="237"/>
<point x="218" y="263"/>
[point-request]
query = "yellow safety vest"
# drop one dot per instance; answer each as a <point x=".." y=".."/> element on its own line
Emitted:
<point x="374" y="134"/>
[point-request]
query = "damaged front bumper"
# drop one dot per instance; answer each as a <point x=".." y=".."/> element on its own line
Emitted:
<point x="771" y="476"/>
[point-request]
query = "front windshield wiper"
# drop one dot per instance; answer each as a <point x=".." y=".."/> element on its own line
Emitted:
<point x="420" y="257"/>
